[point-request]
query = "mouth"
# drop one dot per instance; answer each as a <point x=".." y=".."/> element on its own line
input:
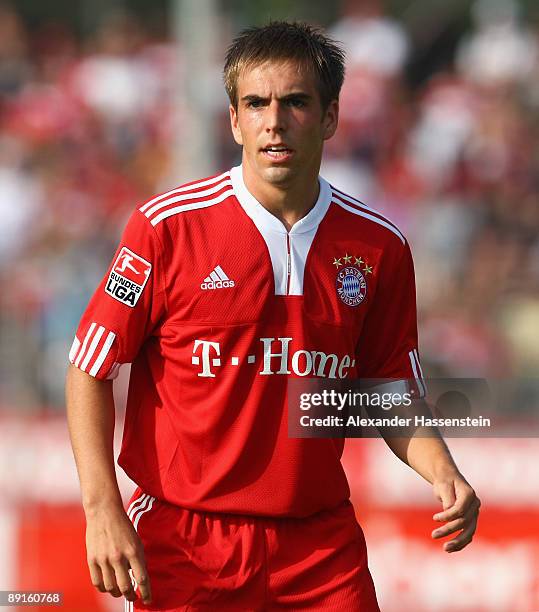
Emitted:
<point x="277" y="153"/>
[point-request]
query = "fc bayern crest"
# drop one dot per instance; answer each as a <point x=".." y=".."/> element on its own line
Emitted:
<point x="351" y="285"/>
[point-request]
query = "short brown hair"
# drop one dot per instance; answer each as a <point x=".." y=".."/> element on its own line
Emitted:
<point x="282" y="41"/>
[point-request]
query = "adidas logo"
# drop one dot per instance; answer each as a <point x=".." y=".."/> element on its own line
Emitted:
<point x="217" y="280"/>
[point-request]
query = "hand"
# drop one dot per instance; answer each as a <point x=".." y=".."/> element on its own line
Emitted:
<point x="113" y="548"/>
<point x="460" y="511"/>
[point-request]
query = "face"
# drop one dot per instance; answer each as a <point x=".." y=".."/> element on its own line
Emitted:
<point x="280" y="123"/>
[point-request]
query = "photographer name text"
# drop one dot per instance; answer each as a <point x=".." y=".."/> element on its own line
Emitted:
<point x="417" y="421"/>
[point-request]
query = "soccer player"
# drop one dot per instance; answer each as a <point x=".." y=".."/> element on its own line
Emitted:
<point x="221" y="291"/>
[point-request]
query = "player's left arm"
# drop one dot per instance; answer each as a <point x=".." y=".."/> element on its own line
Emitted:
<point x="388" y="350"/>
<point x="430" y="458"/>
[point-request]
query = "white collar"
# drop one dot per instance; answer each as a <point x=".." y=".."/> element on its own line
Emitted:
<point x="262" y="217"/>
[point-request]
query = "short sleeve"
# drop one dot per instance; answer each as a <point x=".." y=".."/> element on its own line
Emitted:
<point x="387" y="348"/>
<point x="126" y="307"/>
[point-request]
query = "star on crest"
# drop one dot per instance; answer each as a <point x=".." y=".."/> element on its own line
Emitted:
<point x="367" y="269"/>
<point x="347" y="258"/>
<point x="337" y="262"/>
<point x="359" y="261"/>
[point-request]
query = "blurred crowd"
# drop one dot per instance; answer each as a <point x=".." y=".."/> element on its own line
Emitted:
<point x="86" y="132"/>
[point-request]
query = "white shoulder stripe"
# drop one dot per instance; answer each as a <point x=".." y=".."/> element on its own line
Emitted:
<point x="215" y="179"/>
<point x="85" y="342"/>
<point x="372" y="218"/>
<point x="356" y="202"/>
<point x="196" y="205"/>
<point x="417" y="374"/>
<point x="188" y="196"/>
<point x="418" y="363"/>
<point x="91" y="350"/>
<point x="103" y="354"/>
<point x="74" y="349"/>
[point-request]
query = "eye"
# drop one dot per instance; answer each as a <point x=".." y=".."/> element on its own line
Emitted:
<point x="254" y="104"/>
<point x="295" y="102"/>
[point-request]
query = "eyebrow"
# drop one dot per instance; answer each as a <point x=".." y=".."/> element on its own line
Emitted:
<point x="291" y="96"/>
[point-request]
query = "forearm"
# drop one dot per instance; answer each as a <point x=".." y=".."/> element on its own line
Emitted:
<point x="90" y="413"/>
<point x="428" y="456"/>
<point x="112" y="544"/>
<point x="424" y="450"/>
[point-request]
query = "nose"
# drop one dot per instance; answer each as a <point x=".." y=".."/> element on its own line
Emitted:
<point x="275" y="118"/>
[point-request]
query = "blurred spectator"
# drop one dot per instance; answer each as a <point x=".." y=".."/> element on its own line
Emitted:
<point x="372" y="39"/>
<point x="376" y="50"/>
<point x="20" y="200"/>
<point x="447" y="115"/>
<point x="501" y="51"/>
<point x="113" y="80"/>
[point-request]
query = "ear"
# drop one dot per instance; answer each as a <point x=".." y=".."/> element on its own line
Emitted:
<point x="331" y="119"/>
<point x="235" y="125"/>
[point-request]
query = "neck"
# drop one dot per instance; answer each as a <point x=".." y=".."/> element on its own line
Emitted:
<point x="290" y="201"/>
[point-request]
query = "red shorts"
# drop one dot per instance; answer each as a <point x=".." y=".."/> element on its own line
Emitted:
<point x="226" y="563"/>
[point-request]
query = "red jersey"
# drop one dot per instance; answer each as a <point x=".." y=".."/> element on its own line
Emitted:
<point x="216" y="305"/>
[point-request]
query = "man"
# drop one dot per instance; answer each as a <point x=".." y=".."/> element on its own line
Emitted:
<point x="235" y="283"/>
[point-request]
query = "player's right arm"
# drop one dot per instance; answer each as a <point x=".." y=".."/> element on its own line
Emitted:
<point x="124" y="311"/>
<point x="112" y="544"/>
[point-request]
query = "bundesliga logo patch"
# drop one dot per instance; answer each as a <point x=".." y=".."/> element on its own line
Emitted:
<point x="128" y="277"/>
<point x="350" y="283"/>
